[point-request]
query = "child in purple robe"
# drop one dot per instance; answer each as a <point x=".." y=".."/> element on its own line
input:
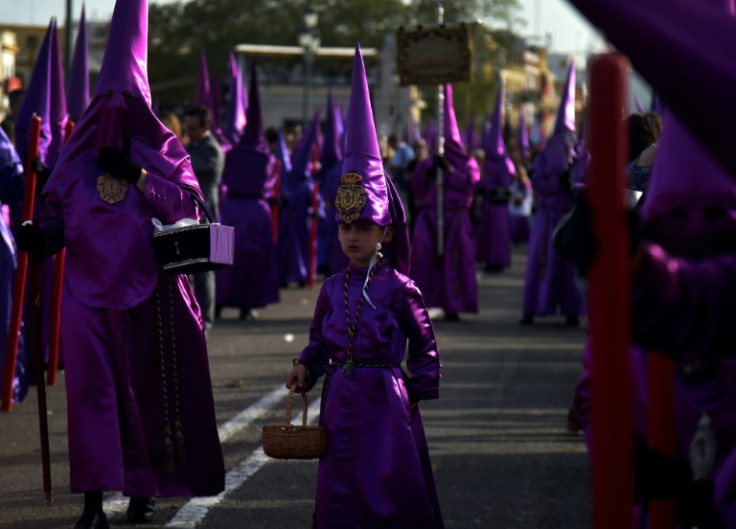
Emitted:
<point x="376" y="471"/>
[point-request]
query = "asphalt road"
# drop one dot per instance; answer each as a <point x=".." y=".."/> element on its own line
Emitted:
<point x="497" y="437"/>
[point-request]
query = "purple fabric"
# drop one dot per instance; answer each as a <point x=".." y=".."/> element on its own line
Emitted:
<point x="77" y="93"/>
<point x="203" y="95"/>
<point x="37" y="100"/>
<point x="331" y="152"/>
<point x="253" y="136"/>
<point x="376" y="472"/>
<point x="524" y="148"/>
<point x="58" y="115"/>
<point x="236" y="119"/>
<point x="493" y="235"/>
<point x="115" y="355"/>
<point x="566" y="111"/>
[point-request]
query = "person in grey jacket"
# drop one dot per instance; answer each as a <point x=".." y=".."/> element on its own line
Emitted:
<point x="208" y="162"/>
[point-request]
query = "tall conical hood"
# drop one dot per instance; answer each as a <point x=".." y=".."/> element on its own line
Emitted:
<point x="77" y="93"/>
<point x="331" y="151"/>
<point x="36" y="100"/>
<point x="203" y="95"/>
<point x="249" y="164"/>
<point x="58" y="115"/>
<point x="366" y="193"/>
<point x="566" y="111"/>
<point x="499" y="169"/>
<point x="236" y="118"/>
<point x="253" y="135"/>
<point x="523" y="138"/>
<point x="451" y="131"/>
<point x="696" y="34"/>
<point x="125" y="64"/>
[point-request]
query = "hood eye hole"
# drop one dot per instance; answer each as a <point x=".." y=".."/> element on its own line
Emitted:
<point x="715" y="213"/>
<point x="107" y="94"/>
<point x="678" y="213"/>
<point x="127" y="94"/>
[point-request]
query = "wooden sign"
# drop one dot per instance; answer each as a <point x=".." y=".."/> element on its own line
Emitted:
<point x="433" y="54"/>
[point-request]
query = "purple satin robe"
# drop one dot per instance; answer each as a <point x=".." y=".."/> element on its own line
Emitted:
<point x="111" y="340"/>
<point x="452" y="283"/>
<point x="376" y="472"/>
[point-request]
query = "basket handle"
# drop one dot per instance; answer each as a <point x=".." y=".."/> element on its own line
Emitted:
<point x="288" y="406"/>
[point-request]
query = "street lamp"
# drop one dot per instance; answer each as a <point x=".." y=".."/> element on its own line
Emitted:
<point x="309" y="40"/>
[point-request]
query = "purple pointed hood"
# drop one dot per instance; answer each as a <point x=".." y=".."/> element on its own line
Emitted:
<point x="331" y="149"/>
<point x="451" y="131"/>
<point x="77" y="93"/>
<point x="523" y="139"/>
<point x="498" y="167"/>
<point x="58" y="115"/>
<point x="249" y="164"/>
<point x="566" y="111"/>
<point x="37" y="101"/>
<point x="366" y="193"/>
<point x="203" y="95"/>
<point x="455" y="154"/>
<point x="120" y="110"/>
<point x="236" y="118"/>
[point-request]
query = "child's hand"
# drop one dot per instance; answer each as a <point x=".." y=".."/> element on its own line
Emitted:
<point x="297" y="376"/>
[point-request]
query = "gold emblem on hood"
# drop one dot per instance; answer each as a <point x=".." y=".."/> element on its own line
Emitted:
<point x="350" y="197"/>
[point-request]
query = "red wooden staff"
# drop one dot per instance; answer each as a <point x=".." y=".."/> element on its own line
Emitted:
<point x="55" y="323"/>
<point x="21" y="272"/>
<point x="276" y="196"/>
<point x="610" y="293"/>
<point x="312" y="272"/>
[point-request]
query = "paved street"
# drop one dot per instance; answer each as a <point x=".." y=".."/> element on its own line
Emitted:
<point x="497" y="437"/>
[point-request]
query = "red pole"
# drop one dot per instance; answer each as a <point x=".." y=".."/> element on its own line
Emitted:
<point x="275" y="206"/>
<point x="55" y="323"/>
<point x="610" y="293"/>
<point x="313" y="236"/>
<point x="661" y="429"/>
<point x="19" y="285"/>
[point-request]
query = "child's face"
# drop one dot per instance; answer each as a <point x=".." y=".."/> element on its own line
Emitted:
<point x="358" y="241"/>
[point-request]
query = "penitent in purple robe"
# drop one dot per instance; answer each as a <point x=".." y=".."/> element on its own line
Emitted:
<point x="250" y="178"/>
<point x="137" y="375"/>
<point x="549" y="284"/>
<point x="493" y="238"/>
<point x="449" y="282"/>
<point x="372" y="430"/>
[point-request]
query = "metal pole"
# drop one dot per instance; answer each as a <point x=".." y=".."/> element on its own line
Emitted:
<point x="68" y="38"/>
<point x="440" y="152"/>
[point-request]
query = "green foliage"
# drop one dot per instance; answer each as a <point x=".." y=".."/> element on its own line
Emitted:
<point x="178" y="31"/>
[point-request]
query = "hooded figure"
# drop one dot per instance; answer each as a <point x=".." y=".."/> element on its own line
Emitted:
<point x="250" y="177"/>
<point x="549" y="285"/>
<point x="120" y="169"/>
<point x="294" y="222"/>
<point x="236" y="118"/>
<point x="330" y="258"/>
<point x="494" y="240"/>
<point x="376" y="471"/>
<point x="448" y="280"/>
<point x="208" y="95"/>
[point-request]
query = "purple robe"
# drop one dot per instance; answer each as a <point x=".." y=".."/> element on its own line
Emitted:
<point x="494" y="241"/>
<point x="521" y="191"/>
<point x="452" y="283"/>
<point x="549" y="284"/>
<point x="111" y="340"/>
<point x="376" y="471"/>
<point x="252" y="281"/>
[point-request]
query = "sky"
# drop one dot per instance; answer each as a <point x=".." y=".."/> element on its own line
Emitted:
<point x="569" y="32"/>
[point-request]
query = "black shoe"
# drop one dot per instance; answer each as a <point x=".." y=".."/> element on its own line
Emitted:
<point x="526" y="320"/>
<point x="140" y="509"/>
<point x="493" y="269"/>
<point x="92" y="520"/>
<point x="572" y="321"/>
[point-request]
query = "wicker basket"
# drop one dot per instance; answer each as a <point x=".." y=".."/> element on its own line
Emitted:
<point x="285" y="441"/>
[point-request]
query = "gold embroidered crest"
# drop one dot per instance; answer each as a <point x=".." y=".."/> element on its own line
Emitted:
<point x="111" y="189"/>
<point x="350" y="197"/>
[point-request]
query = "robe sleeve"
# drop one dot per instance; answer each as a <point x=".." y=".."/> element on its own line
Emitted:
<point x="423" y="361"/>
<point x="314" y="355"/>
<point x="169" y="201"/>
<point x="684" y="307"/>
